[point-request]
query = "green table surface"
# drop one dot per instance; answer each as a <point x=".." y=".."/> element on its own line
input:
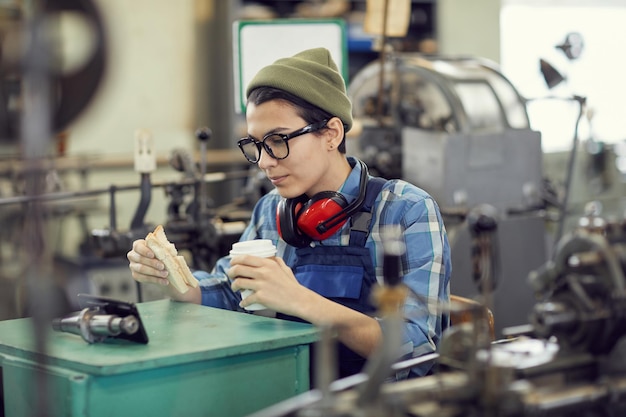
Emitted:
<point x="178" y="333"/>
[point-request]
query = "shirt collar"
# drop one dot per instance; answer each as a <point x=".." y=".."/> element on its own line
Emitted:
<point x="350" y="188"/>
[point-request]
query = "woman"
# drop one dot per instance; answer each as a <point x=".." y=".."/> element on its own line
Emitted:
<point x="297" y="116"/>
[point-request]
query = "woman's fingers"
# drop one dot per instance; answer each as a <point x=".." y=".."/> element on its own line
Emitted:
<point x="144" y="266"/>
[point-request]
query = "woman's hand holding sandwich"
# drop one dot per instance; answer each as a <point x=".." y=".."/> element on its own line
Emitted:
<point x="152" y="260"/>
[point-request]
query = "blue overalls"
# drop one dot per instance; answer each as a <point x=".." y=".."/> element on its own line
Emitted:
<point x="344" y="274"/>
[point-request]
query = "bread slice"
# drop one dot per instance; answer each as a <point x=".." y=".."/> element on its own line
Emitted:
<point x="179" y="274"/>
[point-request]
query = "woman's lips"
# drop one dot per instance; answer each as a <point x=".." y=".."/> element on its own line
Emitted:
<point x="277" y="180"/>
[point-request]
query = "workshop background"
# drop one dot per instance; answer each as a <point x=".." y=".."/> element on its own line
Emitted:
<point x="526" y="93"/>
<point x="169" y="70"/>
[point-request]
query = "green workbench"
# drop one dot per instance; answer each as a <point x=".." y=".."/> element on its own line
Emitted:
<point x="200" y="361"/>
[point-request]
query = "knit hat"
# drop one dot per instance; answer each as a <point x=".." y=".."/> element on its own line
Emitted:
<point x="311" y="75"/>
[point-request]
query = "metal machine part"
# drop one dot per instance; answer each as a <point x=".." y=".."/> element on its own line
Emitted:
<point x="483" y="223"/>
<point x="73" y="87"/>
<point x="196" y="225"/>
<point x="112" y="241"/>
<point x="583" y="290"/>
<point x="454" y="126"/>
<point x="437" y="94"/>
<point x="570" y="361"/>
<point x="193" y="223"/>
<point x="103" y="318"/>
<point x="94" y="327"/>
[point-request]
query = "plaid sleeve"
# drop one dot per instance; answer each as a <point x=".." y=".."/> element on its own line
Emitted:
<point x="426" y="265"/>
<point x="215" y="286"/>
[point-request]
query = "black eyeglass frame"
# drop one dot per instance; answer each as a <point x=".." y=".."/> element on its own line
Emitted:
<point x="313" y="127"/>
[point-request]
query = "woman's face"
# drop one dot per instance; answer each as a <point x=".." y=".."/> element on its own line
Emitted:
<point x="307" y="168"/>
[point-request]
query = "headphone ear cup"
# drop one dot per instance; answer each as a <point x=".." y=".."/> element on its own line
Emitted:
<point x="317" y="210"/>
<point x="286" y="221"/>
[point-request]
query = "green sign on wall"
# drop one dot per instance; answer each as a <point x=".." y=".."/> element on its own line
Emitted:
<point x="257" y="43"/>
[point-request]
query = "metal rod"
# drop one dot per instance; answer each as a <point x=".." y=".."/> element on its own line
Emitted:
<point x="570" y="172"/>
<point x="381" y="79"/>
<point x="36" y="132"/>
<point x="112" y="208"/>
<point x="213" y="177"/>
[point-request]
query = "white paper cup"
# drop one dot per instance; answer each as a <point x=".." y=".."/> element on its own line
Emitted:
<point x="258" y="247"/>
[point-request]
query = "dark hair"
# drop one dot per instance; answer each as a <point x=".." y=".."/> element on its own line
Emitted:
<point x="304" y="109"/>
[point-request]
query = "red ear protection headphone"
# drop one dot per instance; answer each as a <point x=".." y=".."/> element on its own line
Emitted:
<point x="301" y="220"/>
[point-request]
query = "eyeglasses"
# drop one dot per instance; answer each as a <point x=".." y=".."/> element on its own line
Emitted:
<point x="275" y="144"/>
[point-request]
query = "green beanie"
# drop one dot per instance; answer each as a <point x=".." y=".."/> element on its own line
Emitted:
<point x="311" y="75"/>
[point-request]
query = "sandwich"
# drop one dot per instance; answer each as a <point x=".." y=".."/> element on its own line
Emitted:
<point x="179" y="274"/>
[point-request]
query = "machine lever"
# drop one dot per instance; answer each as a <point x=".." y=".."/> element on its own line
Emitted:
<point x="203" y="135"/>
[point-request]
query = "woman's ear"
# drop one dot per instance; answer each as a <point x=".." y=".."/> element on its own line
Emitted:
<point x="335" y="132"/>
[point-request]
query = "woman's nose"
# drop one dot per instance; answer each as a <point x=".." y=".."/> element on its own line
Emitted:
<point x="265" y="160"/>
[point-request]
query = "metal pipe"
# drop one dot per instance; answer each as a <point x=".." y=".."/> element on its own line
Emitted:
<point x="144" y="202"/>
<point x="209" y="178"/>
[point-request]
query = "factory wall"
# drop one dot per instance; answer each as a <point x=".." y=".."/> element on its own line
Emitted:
<point x="469" y="28"/>
<point x="149" y="80"/>
<point x="168" y="72"/>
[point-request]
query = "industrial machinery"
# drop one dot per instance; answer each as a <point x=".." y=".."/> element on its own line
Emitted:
<point x="450" y="114"/>
<point x="71" y="82"/>
<point x="193" y="222"/>
<point x="41" y="91"/>
<point x="200" y="230"/>
<point x="456" y="127"/>
<point x="197" y="227"/>
<point x="567" y="361"/>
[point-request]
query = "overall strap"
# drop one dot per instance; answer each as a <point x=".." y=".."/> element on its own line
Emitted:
<point x="360" y="228"/>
